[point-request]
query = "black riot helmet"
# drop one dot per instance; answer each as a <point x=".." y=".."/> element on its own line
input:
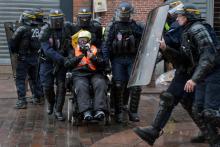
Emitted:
<point x="28" y="18"/>
<point x="84" y="17"/>
<point x="190" y="11"/>
<point x="39" y="13"/>
<point x="124" y="11"/>
<point x="56" y="19"/>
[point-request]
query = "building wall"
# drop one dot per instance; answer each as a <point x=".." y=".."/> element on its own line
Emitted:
<point x="142" y="8"/>
<point x="217" y="18"/>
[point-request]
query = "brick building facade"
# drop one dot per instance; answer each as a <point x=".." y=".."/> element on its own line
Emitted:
<point x="142" y="8"/>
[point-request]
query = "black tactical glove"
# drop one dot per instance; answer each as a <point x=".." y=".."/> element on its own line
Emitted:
<point x="73" y="61"/>
<point x="84" y="49"/>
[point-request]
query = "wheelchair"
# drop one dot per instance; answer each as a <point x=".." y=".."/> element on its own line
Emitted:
<point x="73" y="114"/>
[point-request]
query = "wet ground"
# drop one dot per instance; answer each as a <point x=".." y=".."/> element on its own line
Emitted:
<point x="33" y="127"/>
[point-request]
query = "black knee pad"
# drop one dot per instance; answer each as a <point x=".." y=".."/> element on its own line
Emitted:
<point x="119" y="85"/>
<point x="167" y="100"/>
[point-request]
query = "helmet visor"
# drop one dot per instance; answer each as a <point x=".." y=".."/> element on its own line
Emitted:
<point x="84" y="20"/>
<point x="176" y="10"/>
<point x="56" y="22"/>
<point x="124" y="16"/>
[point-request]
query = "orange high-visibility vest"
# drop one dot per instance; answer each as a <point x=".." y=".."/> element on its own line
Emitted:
<point x="86" y="60"/>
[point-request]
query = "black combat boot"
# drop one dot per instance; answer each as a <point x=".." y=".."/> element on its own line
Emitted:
<point x="213" y="136"/>
<point x="134" y="103"/>
<point x="21" y="103"/>
<point x="59" y="116"/>
<point x="148" y="134"/>
<point x="151" y="133"/>
<point x="202" y="135"/>
<point x="200" y="138"/>
<point x="50" y="96"/>
<point x="196" y="115"/>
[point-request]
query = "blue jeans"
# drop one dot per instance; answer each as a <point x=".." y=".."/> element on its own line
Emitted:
<point x="121" y="68"/>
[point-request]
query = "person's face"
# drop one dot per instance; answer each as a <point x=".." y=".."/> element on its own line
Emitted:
<point x="181" y="19"/>
<point x="83" y="41"/>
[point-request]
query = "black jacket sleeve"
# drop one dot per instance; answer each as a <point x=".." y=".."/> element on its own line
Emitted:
<point x="16" y="39"/>
<point x="205" y="49"/>
<point x="72" y="61"/>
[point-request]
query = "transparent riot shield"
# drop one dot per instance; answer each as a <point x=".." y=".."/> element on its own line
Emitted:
<point x="149" y="46"/>
<point x="9" y="30"/>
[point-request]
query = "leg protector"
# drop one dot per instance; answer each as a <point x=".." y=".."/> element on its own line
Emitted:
<point x="165" y="109"/>
<point x="50" y="96"/>
<point x="126" y="96"/>
<point x="135" y="99"/>
<point x="134" y="103"/>
<point x="119" y="90"/>
<point x="60" y="96"/>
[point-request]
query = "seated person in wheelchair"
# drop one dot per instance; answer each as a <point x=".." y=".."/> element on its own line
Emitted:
<point x="87" y="66"/>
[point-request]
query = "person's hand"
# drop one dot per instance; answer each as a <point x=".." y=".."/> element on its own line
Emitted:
<point x="90" y="55"/>
<point x="163" y="45"/>
<point x="190" y="86"/>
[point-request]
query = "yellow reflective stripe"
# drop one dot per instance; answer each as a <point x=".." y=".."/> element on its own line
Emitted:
<point x="174" y="4"/>
<point x="193" y="10"/>
<point x="41" y="14"/>
<point x="55" y="15"/>
<point x="84" y="13"/>
<point x="29" y="15"/>
<point x="167" y="27"/>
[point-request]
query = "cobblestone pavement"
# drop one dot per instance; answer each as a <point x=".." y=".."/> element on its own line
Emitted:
<point x="33" y="128"/>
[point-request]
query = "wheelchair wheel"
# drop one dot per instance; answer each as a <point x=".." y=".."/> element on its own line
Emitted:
<point x="70" y="110"/>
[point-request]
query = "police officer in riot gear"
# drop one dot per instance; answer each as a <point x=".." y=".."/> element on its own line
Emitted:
<point x="201" y="47"/>
<point x="40" y="22"/>
<point x="39" y="13"/>
<point x="54" y="50"/>
<point x="25" y="43"/>
<point x="193" y="56"/>
<point x="172" y="39"/>
<point x="85" y="22"/>
<point x="122" y="37"/>
<point x="86" y="65"/>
